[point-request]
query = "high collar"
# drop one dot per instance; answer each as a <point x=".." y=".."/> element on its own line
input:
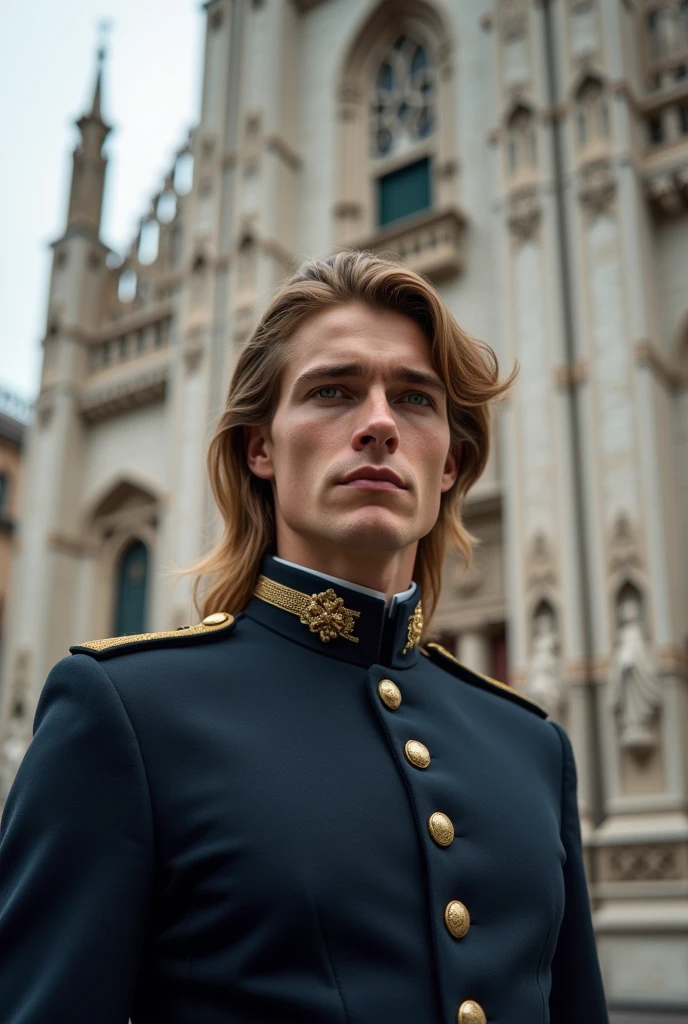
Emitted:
<point x="382" y="632"/>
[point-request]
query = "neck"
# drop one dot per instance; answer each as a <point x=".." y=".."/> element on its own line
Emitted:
<point x="390" y="572"/>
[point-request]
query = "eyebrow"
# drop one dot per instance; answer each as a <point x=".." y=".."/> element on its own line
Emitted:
<point x="406" y="374"/>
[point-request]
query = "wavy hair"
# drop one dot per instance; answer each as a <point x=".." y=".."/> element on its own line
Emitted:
<point x="468" y="368"/>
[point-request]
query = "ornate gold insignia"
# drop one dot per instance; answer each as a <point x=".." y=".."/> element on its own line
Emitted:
<point x="323" y="613"/>
<point x="327" y="616"/>
<point x="415" y="628"/>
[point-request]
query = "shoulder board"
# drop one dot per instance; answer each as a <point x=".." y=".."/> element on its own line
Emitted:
<point x="442" y="657"/>
<point x="212" y="625"/>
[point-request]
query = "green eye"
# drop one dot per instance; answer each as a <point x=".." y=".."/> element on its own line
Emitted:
<point x="418" y="398"/>
<point x="327" y="388"/>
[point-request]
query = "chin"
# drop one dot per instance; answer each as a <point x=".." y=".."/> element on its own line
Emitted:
<point x="376" y="529"/>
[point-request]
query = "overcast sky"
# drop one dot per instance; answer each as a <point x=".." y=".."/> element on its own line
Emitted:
<point x="151" y="97"/>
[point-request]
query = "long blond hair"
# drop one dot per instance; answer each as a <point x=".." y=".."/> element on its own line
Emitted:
<point x="468" y="367"/>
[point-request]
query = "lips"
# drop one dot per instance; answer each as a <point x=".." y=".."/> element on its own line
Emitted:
<point x="374" y="476"/>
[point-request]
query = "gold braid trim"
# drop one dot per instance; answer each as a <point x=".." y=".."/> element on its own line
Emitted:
<point x="323" y="613"/>
<point x="119" y="641"/>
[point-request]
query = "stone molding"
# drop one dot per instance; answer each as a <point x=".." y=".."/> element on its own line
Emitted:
<point x="70" y="544"/>
<point x="109" y="398"/>
<point x="567" y="375"/>
<point x="643" y="862"/>
<point x="431" y="243"/>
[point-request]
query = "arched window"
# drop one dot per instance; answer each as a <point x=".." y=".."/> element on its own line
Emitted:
<point x="402" y="117"/>
<point x="130" y="599"/>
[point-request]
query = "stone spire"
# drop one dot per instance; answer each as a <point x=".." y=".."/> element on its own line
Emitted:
<point x="89" y="163"/>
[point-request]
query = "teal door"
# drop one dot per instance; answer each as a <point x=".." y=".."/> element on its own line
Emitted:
<point x="132" y="580"/>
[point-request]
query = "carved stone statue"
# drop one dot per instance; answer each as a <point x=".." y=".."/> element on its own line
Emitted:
<point x="634" y="690"/>
<point x="545" y="682"/>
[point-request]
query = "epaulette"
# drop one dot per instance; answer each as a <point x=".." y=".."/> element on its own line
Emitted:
<point x="442" y="657"/>
<point x="212" y="625"/>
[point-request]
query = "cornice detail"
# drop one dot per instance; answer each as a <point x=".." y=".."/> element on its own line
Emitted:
<point x="111" y="397"/>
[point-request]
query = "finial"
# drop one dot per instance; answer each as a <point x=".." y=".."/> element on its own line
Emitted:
<point x="104" y="28"/>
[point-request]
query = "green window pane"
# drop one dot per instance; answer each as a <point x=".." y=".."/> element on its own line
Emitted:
<point x="403" y="192"/>
<point x="132" y="578"/>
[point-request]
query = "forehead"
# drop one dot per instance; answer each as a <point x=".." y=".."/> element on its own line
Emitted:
<point x="371" y="335"/>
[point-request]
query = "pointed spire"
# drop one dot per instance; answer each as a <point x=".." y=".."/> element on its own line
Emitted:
<point x="95" y="106"/>
<point x="88" y="177"/>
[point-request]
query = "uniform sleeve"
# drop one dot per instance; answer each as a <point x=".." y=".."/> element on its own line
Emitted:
<point x="76" y="857"/>
<point x="577" y="993"/>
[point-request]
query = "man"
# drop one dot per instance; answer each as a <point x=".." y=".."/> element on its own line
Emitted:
<point x="293" y="811"/>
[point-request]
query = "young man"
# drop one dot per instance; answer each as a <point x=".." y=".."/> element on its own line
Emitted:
<point x="293" y="811"/>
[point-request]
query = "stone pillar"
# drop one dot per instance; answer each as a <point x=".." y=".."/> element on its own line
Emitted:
<point x="473" y="650"/>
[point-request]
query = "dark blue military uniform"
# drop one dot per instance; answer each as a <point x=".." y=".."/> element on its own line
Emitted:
<point x="264" y="819"/>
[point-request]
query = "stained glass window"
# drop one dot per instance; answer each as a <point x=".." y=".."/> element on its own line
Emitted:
<point x="130" y="602"/>
<point x="403" y="103"/>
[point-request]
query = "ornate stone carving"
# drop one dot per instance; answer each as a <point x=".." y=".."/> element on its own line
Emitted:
<point x="597" y="187"/>
<point x="667" y="191"/>
<point x="645" y="863"/>
<point x="544" y="682"/>
<point x="541" y="566"/>
<point x="524" y="214"/>
<point x="635" y="693"/>
<point x="623" y="546"/>
<point x="513" y="16"/>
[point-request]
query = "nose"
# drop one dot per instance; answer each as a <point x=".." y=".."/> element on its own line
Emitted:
<point x="377" y="427"/>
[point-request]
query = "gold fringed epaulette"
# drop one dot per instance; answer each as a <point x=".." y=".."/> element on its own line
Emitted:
<point x="218" y="622"/>
<point x="443" y="657"/>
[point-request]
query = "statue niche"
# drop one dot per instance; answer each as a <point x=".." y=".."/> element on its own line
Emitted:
<point x="545" y="682"/>
<point x="635" y="693"/>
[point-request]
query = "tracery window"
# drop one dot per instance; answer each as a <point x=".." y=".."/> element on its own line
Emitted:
<point x="403" y="106"/>
<point x="403" y="117"/>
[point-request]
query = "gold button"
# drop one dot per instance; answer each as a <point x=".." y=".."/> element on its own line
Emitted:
<point x="417" y="753"/>
<point x="389" y="694"/>
<point x="215" y="619"/>
<point x="471" y="1012"/>
<point x="441" y="828"/>
<point x="457" y="919"/>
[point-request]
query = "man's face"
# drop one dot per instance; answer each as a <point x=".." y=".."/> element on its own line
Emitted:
<point x="358" y="448"/>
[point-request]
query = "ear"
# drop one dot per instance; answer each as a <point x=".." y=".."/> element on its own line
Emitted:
<point x="451" y="468"/>
<point x="259" y="451"/>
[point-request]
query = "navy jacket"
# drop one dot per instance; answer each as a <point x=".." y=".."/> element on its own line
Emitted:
<point x="227" y="824"/>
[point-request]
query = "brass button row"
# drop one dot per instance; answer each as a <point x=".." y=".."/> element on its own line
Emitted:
<point x="441" y="828"/>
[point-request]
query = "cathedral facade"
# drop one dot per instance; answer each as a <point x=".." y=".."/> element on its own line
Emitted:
<point x="531" y="158"/>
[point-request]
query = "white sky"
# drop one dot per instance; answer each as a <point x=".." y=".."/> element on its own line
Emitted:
<point x="151" y="96"/>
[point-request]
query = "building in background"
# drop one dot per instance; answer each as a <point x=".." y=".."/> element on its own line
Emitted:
<point x="15" y="414"/>
<point x="532" y="159"/>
